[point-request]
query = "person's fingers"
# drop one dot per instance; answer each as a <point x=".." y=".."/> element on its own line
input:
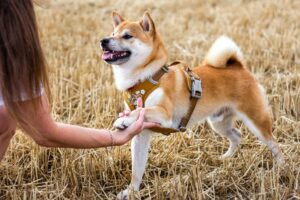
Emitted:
<point x="151" y="125"/>
<point x="137" y="126"/>
<point x="139" y="122"/>
<point x="126" y="112"/>
<point x="140" y="102"/>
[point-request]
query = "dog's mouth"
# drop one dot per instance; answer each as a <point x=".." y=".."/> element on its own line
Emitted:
<point x="113" y="56"/>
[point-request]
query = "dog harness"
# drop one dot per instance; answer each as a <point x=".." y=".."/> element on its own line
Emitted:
<point x="145" y="88"/>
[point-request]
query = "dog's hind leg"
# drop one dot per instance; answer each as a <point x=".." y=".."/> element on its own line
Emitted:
<point x="222" y="123"/>
<point x="139" y="152"/>
<point x="258" y="120"/>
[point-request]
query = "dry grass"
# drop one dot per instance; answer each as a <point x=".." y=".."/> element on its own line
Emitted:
<point x="179" y="167"/>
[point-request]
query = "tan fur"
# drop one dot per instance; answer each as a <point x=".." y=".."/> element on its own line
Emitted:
<point x="229" y="90"/>
<point x="232" y="85"/>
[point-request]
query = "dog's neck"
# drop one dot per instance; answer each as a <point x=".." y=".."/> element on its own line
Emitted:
<point x="127" y="77"/>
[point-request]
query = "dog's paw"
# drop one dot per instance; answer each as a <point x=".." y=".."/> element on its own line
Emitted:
<point x="123" y="195"/>
<point x="129" y="193"/>
<point x="226" y="155"/>
<point x="280" y="159"/>
<point x="123" y="122"/>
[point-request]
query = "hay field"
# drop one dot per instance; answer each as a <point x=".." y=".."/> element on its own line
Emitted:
<point x="179" y="167"/>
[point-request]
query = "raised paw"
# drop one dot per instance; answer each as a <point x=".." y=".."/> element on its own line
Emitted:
<point x="123" y="122"/>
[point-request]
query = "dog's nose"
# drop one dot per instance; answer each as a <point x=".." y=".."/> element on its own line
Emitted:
<point x="104" y="42"/>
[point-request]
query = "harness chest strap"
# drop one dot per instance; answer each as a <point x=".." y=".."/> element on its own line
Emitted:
<point x="145" y="88"/>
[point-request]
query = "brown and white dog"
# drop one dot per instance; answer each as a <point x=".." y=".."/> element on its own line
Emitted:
<point x="136" y="52"/>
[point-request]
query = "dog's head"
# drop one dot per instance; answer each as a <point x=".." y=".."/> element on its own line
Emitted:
<point x="131" y="44"/>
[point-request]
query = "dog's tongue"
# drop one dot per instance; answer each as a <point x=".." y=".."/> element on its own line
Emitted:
<point x="110" y="55"/>
<point x="107" y="55"/>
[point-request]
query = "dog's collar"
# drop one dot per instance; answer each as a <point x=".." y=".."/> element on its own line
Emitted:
<point x="153" y="79"/>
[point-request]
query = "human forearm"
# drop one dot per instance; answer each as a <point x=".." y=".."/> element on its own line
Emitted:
<point x="46" y="132"/>
<point x="65" y="135"/>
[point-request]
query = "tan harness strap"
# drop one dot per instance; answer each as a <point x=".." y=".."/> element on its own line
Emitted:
<point x="193" y="99"/>
<point x="160" y="73"/>
<point x="163" y="70"/>
<point x="165" y="131"/>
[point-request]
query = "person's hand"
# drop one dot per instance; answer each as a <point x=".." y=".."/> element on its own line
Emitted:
<point x="124" y="113"/>
<point x="123" y="136"/>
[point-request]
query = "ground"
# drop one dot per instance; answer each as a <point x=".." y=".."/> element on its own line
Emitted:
<point x="180" y="166"/>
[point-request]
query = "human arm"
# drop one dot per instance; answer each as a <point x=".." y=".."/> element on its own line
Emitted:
<point x="54" y="134"/>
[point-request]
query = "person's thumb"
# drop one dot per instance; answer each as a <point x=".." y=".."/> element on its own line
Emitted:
<point x="140" y="102"/>
<point x="141" y="117"/>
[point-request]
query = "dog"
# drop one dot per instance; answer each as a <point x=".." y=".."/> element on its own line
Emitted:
<point x="229" y="91"/>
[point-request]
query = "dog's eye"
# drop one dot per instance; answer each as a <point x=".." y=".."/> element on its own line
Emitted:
<point x="127" y="36"/>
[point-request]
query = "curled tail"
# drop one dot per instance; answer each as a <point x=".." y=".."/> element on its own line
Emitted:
<point x="224" y="52"/>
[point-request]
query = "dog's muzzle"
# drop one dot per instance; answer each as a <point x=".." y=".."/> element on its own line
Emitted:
<point x="112" y="56"/>
<point x="104" y="43"/>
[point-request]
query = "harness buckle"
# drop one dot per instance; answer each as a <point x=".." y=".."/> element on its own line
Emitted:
<point x="165" y="69"/>
<point x="196" y="88"/>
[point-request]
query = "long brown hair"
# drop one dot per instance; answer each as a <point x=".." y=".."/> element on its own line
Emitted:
<point x="22" y="63"/>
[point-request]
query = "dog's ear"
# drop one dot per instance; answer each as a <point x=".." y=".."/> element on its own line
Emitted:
<point x="148" y="24"/>
<point x="117" y="18"/>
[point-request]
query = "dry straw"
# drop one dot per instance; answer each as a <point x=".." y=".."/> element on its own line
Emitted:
<point x="179" y="167"/>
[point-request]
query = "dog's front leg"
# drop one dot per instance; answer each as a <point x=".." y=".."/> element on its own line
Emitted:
<point x="139" y="152"/>
<point x="156" y="114"/>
